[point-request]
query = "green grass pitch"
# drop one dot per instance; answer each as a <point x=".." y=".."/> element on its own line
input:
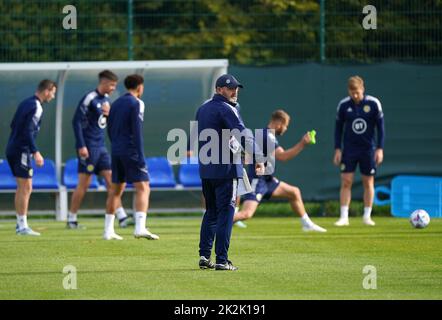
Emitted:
<point x="276" y="260"/>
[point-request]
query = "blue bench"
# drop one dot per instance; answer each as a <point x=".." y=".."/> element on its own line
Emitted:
<point x="7" y="180"/>
<point x="188" y="174"/>
<point x="160" y="173"/>
<point x="70" y="175"/>
<point x="45" y="177"/>
<point x="44" y="180"/>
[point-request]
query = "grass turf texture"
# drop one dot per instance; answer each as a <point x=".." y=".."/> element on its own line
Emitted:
<point x="276" y="260"/>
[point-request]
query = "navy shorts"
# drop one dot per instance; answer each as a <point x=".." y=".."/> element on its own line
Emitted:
<point x="127" y="169"/>
<point x="99" y="160"/>
<point x="20" y="164"/>
<point x="367" y="165"/>
<point x="263" y="189"/>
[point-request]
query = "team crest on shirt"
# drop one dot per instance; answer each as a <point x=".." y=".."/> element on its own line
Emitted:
<point x="258" y="197"/>
<point x="367" y="108"/>
<point x="342" y="166"/>
<point x="31" y="172"/>
<point x="90" y="168"/>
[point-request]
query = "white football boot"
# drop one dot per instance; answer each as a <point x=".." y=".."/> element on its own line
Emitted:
<point x="343" y="222"/>
<point x="26" y="232"/>
<point x="146" y="234"/>
<point x="111" y="236"/>
<point x="313" y="227"/>
<point x="240" y="224"/>
<point x="368" y="221"/>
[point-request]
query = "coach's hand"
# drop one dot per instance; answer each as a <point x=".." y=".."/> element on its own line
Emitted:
<point x="83" y="153"/>
<point x="39" y="161"/>
<point x="259" y="169"/>
<point x="378" y="156"/>
<point x="338" y="157"/>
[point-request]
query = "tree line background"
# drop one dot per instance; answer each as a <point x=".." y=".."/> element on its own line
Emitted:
<point x="247" y="32"/>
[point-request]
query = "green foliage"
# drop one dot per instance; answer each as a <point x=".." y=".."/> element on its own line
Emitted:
<point x="247" y="32"/>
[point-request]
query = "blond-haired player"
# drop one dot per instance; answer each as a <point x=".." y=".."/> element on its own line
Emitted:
<point x="358" y="117"/>
<point x="266" y="187"/>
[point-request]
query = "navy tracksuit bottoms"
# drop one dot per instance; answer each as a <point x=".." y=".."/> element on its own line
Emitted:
<point x="220" y="197"/>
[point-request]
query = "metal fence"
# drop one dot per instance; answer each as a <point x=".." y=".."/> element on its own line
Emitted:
<point x="247" y="32"/>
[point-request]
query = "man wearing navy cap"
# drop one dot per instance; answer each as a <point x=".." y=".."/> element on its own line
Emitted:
<point x="220" y="177"/>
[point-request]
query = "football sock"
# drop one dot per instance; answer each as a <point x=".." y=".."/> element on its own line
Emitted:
<point x="109" y="223"/>
<point x="72" y="217"/>
<point x="305" y="220"/>
<point x="344" y="212"/>
<point x="121" y="214"/>
<point x="22" y="221"/>
<point x="367" y="212"/>
<point x="140" y="221"/>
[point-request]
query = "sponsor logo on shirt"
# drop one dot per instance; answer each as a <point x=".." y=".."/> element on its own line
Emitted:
<point x="359" y="126"/>
<point x="102" y="122"/>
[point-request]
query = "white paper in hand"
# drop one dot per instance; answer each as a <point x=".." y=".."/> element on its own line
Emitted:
<point x="244" y="184"/>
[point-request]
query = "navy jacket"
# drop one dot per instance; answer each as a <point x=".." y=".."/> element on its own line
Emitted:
<point x="125" y="127"/>
<point x="218" y="114"/>
<point x="25" y="126"/>
<point x="88" y="121"/>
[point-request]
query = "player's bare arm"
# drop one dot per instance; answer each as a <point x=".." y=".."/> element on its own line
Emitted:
<point x="285" y="155"/>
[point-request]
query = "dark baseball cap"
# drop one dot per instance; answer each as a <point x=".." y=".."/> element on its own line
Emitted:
<point x="229" y="81"/>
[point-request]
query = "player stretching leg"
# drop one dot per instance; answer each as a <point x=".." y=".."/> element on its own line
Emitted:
<point x="125" y="127"/>
<point x="266" y="187"/>
<point x="89" y="122"/>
